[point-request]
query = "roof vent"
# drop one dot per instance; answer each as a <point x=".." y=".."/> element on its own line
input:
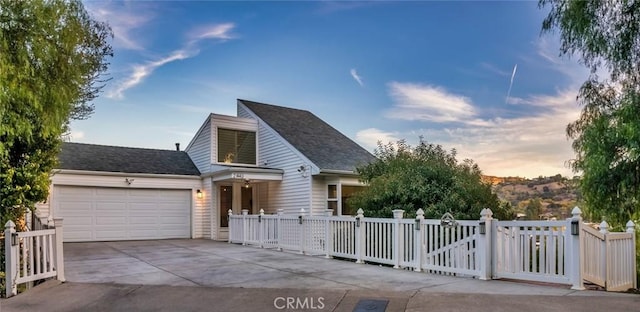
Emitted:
<point x="178" y="147"/>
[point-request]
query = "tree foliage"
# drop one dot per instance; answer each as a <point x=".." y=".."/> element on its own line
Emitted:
<point x="52" y="57"/>
<point x="606" y="36"/>
<point x="425" y="176"/>
<point x="603" y="33"/>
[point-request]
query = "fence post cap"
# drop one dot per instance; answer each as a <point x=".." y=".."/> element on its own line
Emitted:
<point x="9" y="225"/>
<point x="360" y="212"/>
<point x="631" y="227"/>
<point x="486" y="214"/>
<point x="230" y="212"/>
<point x="420" y="214"/>
<point x="245" y="212"/>
<point x="261" y="212"/>
<point x="57" y="222"/>
<point x="576" y="212"/>
<point x="301" y="210"/>
<point x="397" y="213"/>
<point x="604" y="227"/>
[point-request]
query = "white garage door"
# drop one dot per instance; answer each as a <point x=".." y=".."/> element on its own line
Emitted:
<point x="106" y="214"/>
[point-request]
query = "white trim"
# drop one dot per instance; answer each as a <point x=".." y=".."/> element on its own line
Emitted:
<point x="124" y="174"/>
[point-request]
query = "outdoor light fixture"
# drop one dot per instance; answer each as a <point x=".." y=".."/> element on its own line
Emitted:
<point x="483" y="227"/>
<point x="417" y="227"/>
<point x="15" y="241"/>
<point x="259" y="218"/>
<point x="246" y="183"/>
<point x="357" y="221"/>
<point x="199" y="194"/>
<point x="300" y="219"/>
<point x="575" y="227"/>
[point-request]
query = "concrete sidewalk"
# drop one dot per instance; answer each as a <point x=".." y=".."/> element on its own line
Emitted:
<point x="202" y="275"/>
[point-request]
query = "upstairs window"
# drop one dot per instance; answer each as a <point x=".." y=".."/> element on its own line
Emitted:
<point x="236" y="147"/>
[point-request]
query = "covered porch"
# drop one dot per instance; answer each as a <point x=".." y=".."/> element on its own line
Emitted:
<point x="238" y="188"/>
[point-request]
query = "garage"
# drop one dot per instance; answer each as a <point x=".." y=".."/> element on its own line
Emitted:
<point x="112" y="213"/>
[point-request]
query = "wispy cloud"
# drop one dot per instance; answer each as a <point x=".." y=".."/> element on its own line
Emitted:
<point x="139" y="72"/>
<point x="371" y="136"/>
<point x="219" y="31"/>
<point x="356" y="77"/>
<point x="423" y="102"/>
<point x="513" y="75"/>
<point x="123" y="19"/>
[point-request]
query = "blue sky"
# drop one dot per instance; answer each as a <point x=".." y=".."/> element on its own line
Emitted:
<point x="474" y="76"/>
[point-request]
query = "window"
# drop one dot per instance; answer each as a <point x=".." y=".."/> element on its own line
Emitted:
<point x="347" y="192"/>
<point x="332" y="198"/>
<point x="236" y="147"/>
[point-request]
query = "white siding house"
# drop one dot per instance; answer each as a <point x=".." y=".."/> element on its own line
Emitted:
<point x="267" y="157"/>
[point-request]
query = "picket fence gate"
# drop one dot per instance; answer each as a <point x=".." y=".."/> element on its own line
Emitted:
<point x="544" y="251"/>
<point x="32" y="255"/>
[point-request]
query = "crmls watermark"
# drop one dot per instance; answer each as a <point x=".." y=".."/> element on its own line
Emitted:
<point x="299" y="303"/>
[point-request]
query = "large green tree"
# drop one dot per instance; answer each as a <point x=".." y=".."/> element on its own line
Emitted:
<point x="425" y="176"/>
<point x="606" y="37"/>
<point x="52" y="58"/>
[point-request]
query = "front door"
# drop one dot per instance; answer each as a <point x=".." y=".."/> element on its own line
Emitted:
<point x="226" y="202"/>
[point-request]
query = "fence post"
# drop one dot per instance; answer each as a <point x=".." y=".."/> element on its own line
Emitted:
<point x="245" y="228"/>
<point x="397" y="241"/>
<point x="10" y="259"/>
<point x="359" y="236"/>
<point x="261" y="228"/>
<point x="631" y="228"/>
<point x="575" y="258"/>
<point x="57" y="223"/>
<point x="328" y="235"/>
<point x="231" y="228"/>
<point x="485" y="240"/>
<point x="300" y="217"/>
<point x="279" y="229"/>
<point x="418" y="234"/>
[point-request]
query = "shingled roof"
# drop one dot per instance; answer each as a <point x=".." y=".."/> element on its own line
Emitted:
<point x="79" y="156"/>
<point x="325" y="146"/>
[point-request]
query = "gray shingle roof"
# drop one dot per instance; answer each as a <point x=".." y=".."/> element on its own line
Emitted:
<point x="325" y="146"/>
<point x="79" y="156"/>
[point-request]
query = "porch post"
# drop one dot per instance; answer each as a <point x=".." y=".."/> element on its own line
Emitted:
<point x="232" y="230"/>
<point x="279" y="228"/>
<point x="328" y="235"/>
<point x="397" y="238"/>
<point x="10" y="259"/>
<point x="301" y="230"/>
<point x="245" y="230"/>
<point x="485" y="254"/>
<point x="359" y="236"/>
<point x="575" y="258"/>
<point x="261" y="228"/>
<point x="58" y="249"/>
<point x="417" y="238"/>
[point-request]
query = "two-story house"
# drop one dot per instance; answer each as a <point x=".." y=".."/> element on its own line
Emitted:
<point x="267" y="157"/>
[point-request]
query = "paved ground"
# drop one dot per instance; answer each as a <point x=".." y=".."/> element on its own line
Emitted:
<point x="201" y="275"/>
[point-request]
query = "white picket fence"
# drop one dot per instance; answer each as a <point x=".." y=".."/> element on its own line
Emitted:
<point x="32" y="255"/>
<point x="546" y="251"/>
<point x="608" y="259"/>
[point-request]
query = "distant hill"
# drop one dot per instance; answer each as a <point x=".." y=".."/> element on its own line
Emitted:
<point x="557" y="194"/>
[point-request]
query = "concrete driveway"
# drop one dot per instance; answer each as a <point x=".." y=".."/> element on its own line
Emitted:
<point x="219" y="264"/>
<point x="202" y="275"/>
